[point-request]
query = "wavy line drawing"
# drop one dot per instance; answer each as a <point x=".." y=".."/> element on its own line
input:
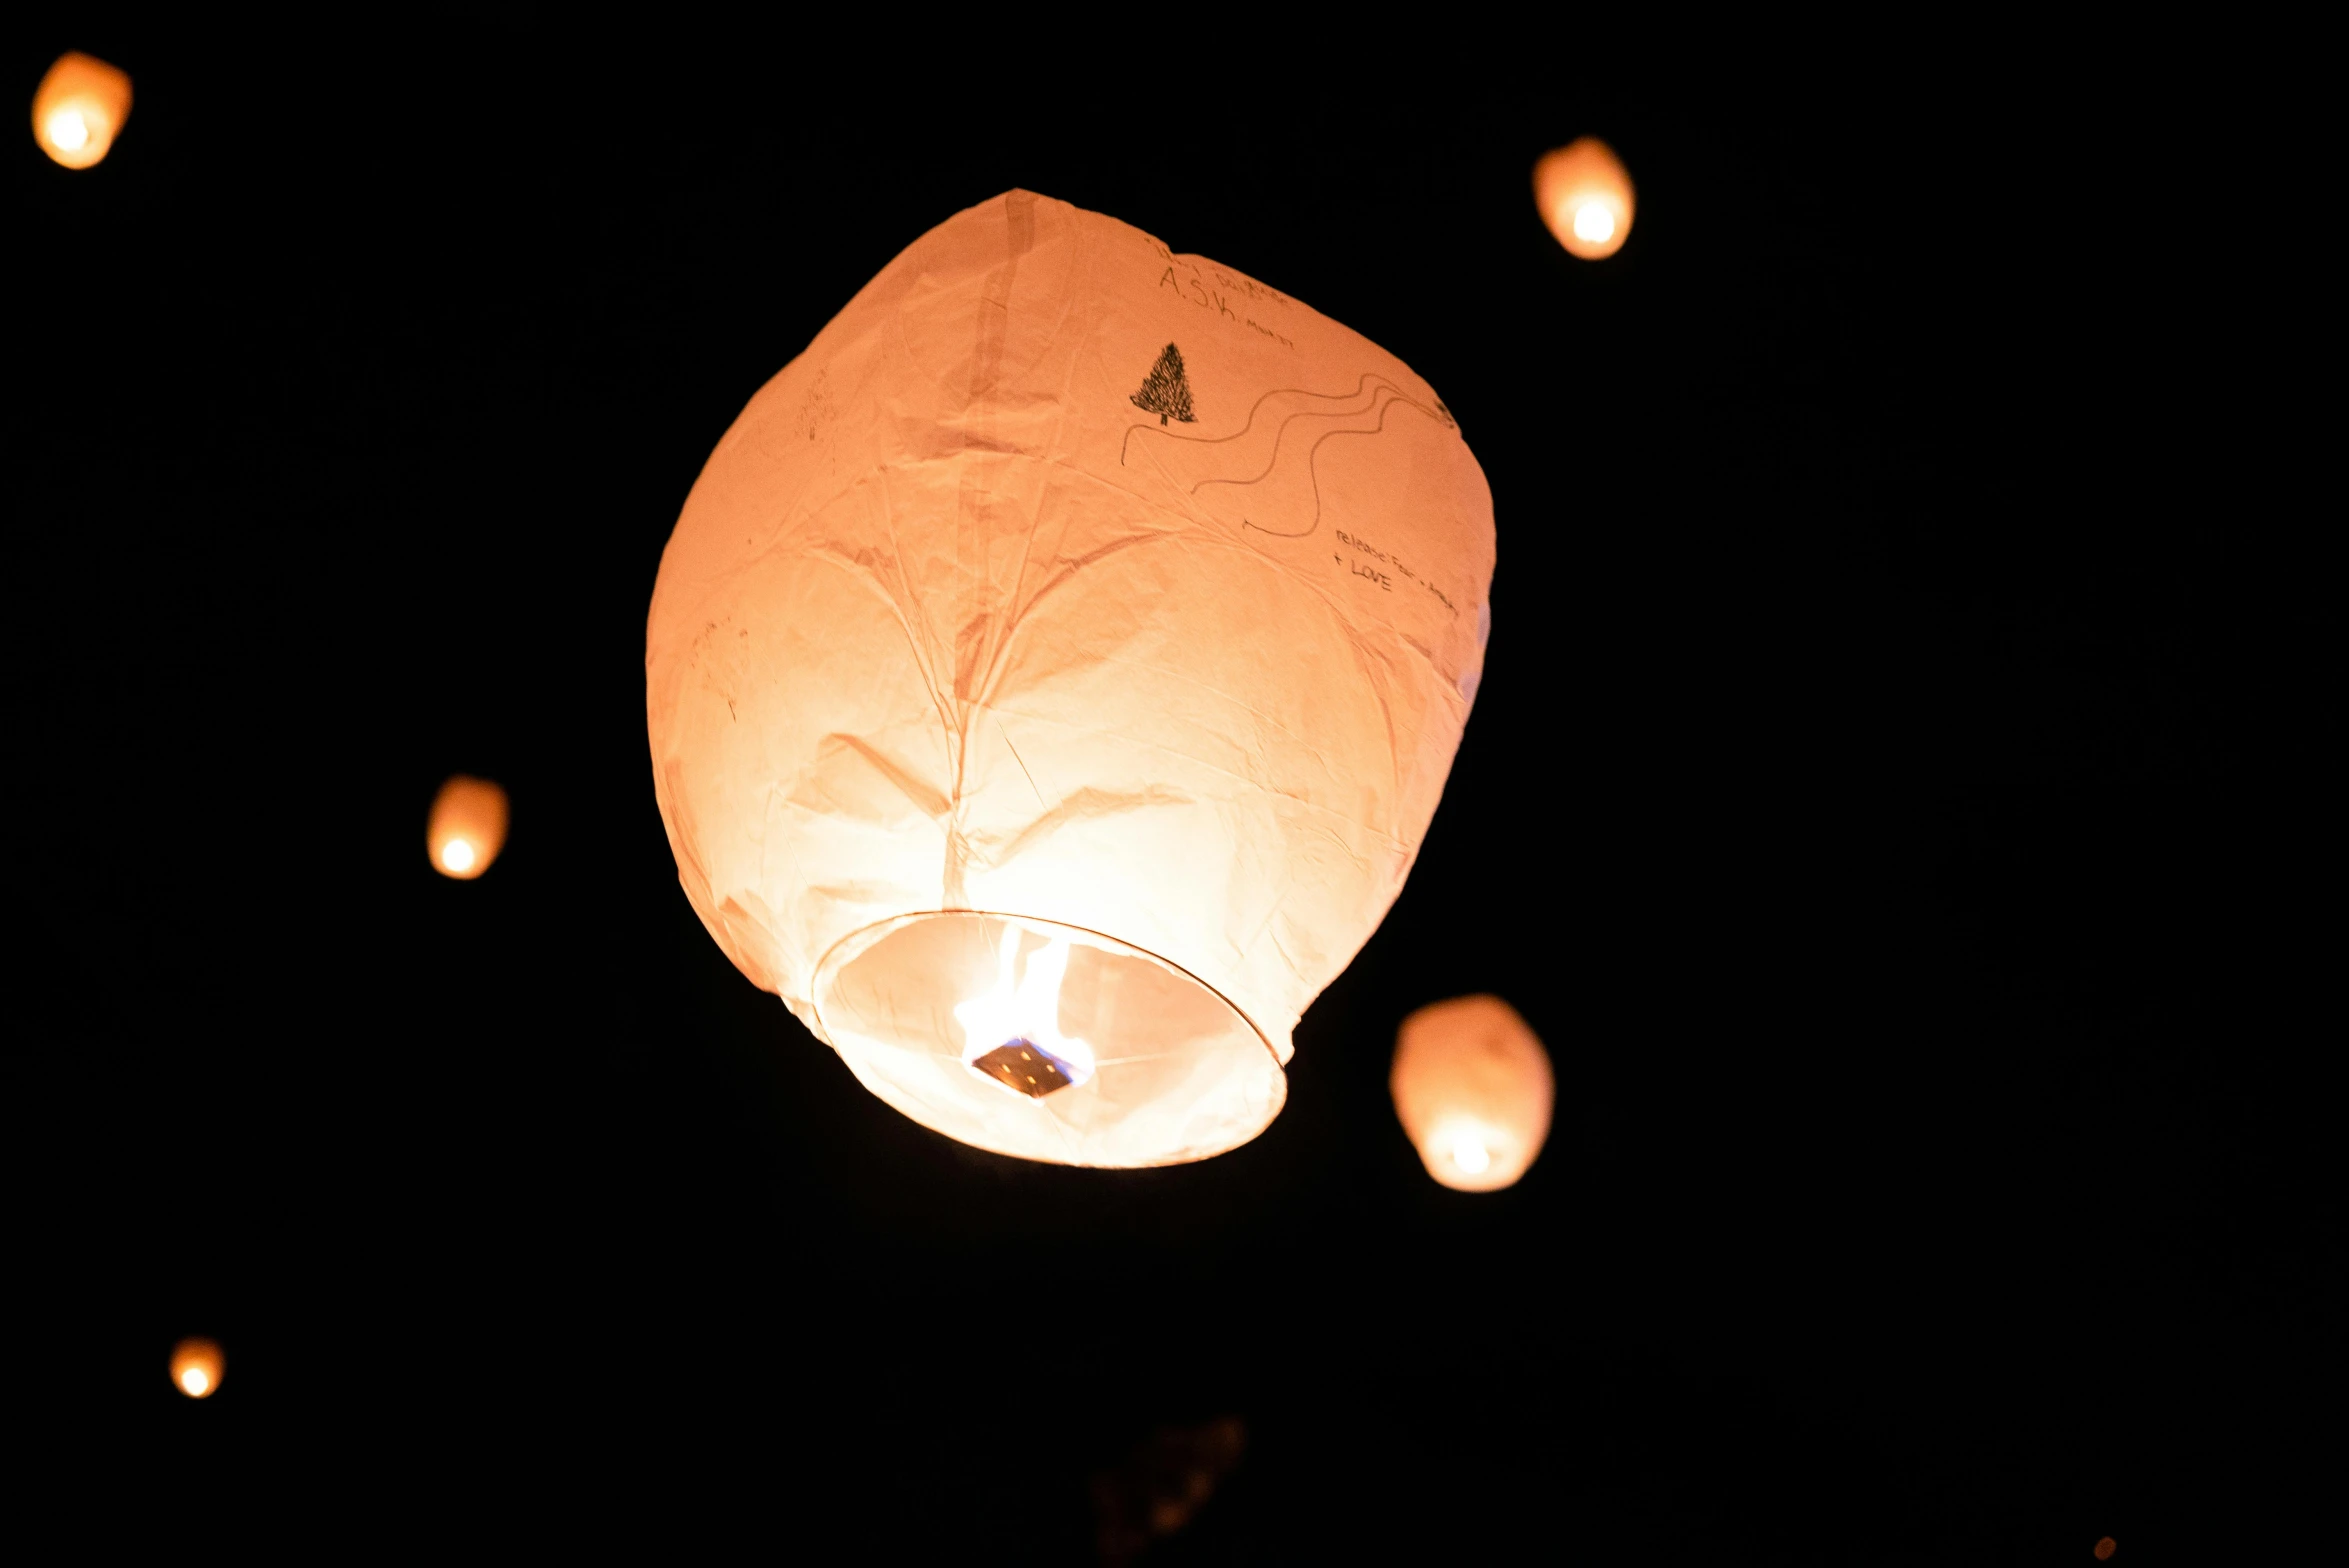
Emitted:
<point x="1256" y="457"/>
<point x="1312" y="475"/>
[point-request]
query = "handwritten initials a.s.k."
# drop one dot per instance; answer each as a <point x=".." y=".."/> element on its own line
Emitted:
<point x="1198" y="294"/>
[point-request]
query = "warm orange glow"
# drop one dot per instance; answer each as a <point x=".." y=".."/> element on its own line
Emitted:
<point x="1065" y="1045"/>
<point x="1162" y="1485"/>
<point x="2106" y="1547"/>
<point x="1472" y="1087"/>
<point x="467" y="827"/>
<point x="1043" y="699"/>
<point x="196" y="1367"/>
<point x="1585" y="198"/>
<point x="79" y="108"/>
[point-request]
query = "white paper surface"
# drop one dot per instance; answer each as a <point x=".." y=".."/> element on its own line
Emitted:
<point x="983" y="603"/>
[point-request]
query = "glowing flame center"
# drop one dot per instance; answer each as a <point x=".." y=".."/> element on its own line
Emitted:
<point x="194" y="1381"/>
<point x="68" y="131"/>
<point x="1593" y="221"/>
<point x="457" y="855"/>
<point x="1029" y="1011"/>
<point x="1470" y="1155"/>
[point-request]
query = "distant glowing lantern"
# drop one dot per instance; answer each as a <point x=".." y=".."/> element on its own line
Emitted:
<point x="196" y="1367"/>
<point x="467" y="827"/>
<point x="79" y="108"/>
<point x="1053" y="673"/>
<point x="2106" y="1547"/>
<point x="1472" y="1086"/>
<point x="1585" y="198"/>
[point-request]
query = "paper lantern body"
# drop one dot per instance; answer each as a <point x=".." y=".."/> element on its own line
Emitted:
<point x="79" y="108"/>
<point x="1473" y="1089"/>
<point x="467" y="827"/>
<point x="1585" y="198"/>
<point x="196" y="1367"/>
<point x="1070" y="645"/>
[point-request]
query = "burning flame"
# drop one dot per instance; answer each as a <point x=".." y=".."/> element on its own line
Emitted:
<point x="1030" y="1011"/>
<point x="69" y="130"/>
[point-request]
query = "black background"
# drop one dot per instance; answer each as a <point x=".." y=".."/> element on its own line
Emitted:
<point x="1889" y="797"/>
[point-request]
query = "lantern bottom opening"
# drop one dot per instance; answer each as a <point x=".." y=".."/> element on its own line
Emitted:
<point x="1045" y="1041"/>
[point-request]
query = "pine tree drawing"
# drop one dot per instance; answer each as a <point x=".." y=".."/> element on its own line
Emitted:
<point x="1167" y="392"/>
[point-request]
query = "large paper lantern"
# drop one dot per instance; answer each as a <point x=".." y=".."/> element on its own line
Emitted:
<point x="1472" y="1087"/>
<point x="79" y="108"/>
<point x="467" y="827"/>
<point x="1053" y="673"/>
<point x="196" y="1367"/>
<point x="1585" y="198"/>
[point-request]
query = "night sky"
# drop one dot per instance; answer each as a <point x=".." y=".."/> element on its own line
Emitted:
<point x="1891" y="797"/>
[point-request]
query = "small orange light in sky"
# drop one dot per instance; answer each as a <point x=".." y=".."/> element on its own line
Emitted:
<point x="2106" y="1547"/>
<point x="1585" y="198"/>
<point x="1473" y="1089"/>
<point x="467" y="827"/>
<point x="196" y="1367"/>
<point x="79" y="109"/>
